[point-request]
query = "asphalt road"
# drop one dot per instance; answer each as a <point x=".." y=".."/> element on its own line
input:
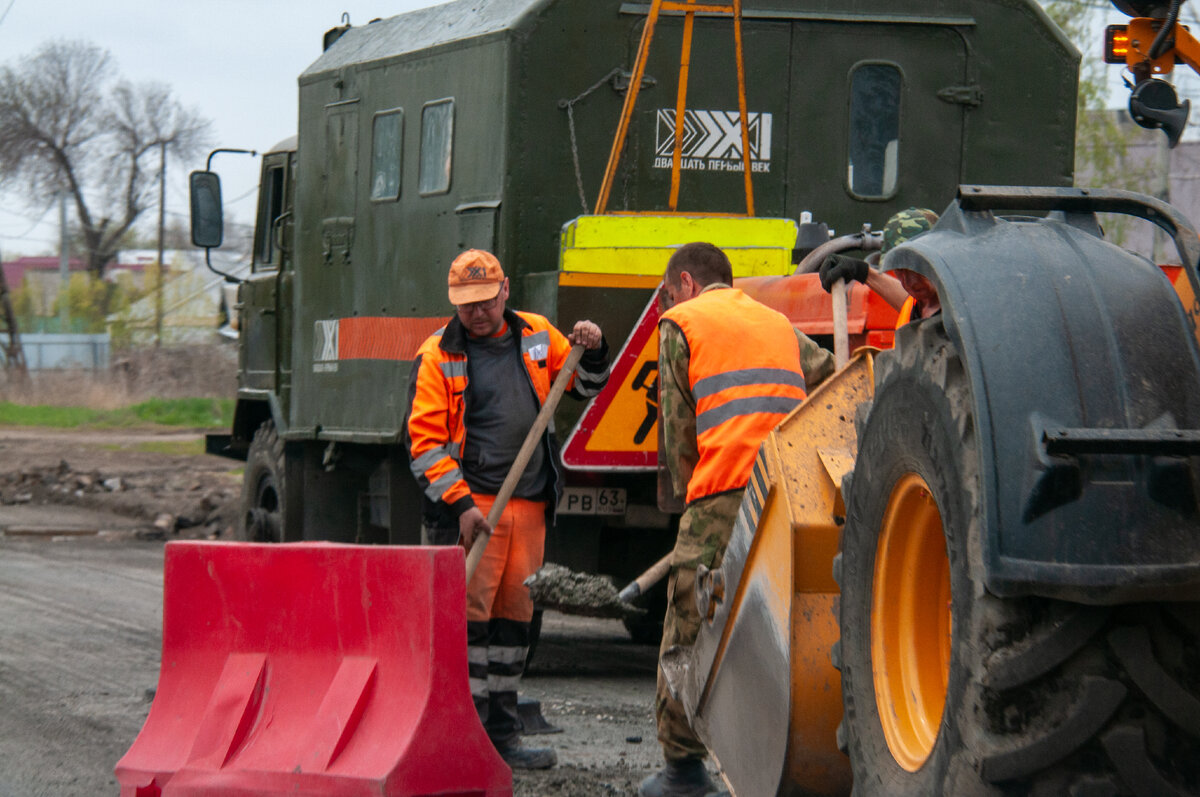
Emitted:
<point x="79" y="655"/>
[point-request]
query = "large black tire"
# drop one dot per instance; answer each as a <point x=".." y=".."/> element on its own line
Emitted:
<point x="987" y="696"/>
<point x="264" y="488"/>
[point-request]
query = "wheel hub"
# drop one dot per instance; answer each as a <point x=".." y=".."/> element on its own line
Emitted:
<point x="911" y="622"/>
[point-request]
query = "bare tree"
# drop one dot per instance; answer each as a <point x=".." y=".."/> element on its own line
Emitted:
<point x="67" y="123"/>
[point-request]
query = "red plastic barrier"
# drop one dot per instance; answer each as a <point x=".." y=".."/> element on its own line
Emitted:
<point x="313" y="668"/>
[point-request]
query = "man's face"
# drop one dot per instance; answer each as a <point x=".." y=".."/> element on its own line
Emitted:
<point x="677" y="288"/>
<point x="484" y="319"/>
<point x="917" y="286"/>
<point x="670" y="294"/>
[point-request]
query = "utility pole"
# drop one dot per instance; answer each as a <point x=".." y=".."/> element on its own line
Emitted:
<point x="1162" y="190"/>
<point x="64" y="266"/>
<point x="162" y="267"/>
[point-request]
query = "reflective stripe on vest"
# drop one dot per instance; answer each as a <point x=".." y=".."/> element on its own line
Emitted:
<point x="437" y="467"/>
<point x="744" y="373"/>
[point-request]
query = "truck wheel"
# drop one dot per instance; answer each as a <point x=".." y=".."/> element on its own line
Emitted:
<point x="948" y="689"/>
<point x="263" y="488"/>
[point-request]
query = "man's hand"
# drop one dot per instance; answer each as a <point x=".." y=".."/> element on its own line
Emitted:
<point x="586" y="334"/>
<point x="471" y="524"/>
<point x="841" y="267"/>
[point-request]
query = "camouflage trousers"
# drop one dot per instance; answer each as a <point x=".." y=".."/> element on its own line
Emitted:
<point x="704" y="531"/>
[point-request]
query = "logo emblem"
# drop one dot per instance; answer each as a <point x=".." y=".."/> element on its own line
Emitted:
<point x="712" y="140"/>
<point x="325" y="346"/>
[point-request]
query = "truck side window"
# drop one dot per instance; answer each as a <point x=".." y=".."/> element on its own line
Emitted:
<point x="386" y="148"/>
<point x="437" y="139"/>
<point x="270" y="207"/>
<point x="874" y="147"/>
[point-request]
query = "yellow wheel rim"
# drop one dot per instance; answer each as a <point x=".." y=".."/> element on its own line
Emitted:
<point x="910" y="622"/>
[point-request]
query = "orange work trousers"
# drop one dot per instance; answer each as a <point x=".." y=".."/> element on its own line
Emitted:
<point x="513" y="554"/>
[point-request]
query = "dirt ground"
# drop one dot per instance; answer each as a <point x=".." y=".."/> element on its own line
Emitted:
<point x="152" y="482"/>
<point x="82" y="520"/>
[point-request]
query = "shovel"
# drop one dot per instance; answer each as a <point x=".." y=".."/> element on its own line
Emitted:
<point x="532" y="440"/>
<point x="841" y="337"/>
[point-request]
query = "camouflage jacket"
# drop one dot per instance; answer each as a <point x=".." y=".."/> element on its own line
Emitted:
<point x="678" y="405"/>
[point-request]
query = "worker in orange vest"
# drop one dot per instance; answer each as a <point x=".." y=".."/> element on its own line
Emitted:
<point x="904" y="289"/>
<point x="476" y="387"/>
<point x="729" y="370"/>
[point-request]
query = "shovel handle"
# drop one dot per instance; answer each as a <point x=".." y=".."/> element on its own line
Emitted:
<point x="518" y="467"/>
<point x="841" y="332"/>
<point x="646" y="580"/>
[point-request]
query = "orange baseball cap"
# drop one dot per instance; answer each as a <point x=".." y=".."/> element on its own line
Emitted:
<point x="475" y="276"/>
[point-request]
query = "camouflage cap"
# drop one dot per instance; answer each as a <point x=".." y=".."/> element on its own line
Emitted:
<point x="906" y="224"/>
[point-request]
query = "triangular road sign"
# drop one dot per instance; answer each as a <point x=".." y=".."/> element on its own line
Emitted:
<point x="619" y="428"/>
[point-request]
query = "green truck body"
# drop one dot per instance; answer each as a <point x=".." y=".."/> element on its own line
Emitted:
<point x="488" y="124"/>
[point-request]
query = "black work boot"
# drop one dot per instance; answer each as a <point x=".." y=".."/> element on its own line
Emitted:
<point x="518" y="756"/>
<point x="686" y="778"/>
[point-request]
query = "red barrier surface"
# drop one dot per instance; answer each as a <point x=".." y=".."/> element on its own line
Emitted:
<point x="313" y="668"/>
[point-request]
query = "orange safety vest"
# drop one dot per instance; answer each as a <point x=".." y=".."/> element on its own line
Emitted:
<point x="906" y="312"/>
<point x="745" y="376"/>
<point x="436" y="428"/>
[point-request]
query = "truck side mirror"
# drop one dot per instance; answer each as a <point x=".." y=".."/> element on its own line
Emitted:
<point x="208" y="224"/>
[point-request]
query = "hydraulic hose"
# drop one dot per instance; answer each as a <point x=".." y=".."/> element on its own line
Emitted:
<point x="1164" y="33"/>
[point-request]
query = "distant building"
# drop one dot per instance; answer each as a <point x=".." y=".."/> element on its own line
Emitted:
<point x="194" y="304"/>
<point x="43" y="276"/>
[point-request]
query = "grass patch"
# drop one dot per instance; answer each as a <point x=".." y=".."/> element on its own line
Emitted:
<point x="181" y="448"/>
<point x="204" y="412"/>
<point x="191" y="413"/>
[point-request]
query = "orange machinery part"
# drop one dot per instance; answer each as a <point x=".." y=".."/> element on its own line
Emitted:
<point x="871" y="320"/>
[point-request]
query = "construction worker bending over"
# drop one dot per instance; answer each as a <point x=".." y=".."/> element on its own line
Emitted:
<point x="910" y="293"/>
<point x="729" y="370"/>
<point x="476" y="387"/>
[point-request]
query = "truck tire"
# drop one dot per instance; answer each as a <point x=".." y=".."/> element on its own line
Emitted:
<point x="264" y="488"/>
<point x="948" y="689"/>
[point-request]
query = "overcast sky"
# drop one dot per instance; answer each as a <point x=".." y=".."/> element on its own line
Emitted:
<point x="235" y="61"/>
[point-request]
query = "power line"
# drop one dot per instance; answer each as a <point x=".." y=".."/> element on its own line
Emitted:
<point x="33" y="226"/>
<point x="5" y="14"/>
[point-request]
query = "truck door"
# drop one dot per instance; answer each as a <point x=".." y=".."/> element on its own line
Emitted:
<point x="264" y="295"/>
<point x="877" y="113"/>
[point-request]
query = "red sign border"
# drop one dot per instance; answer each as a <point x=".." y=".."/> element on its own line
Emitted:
<point x="576" y="443"/>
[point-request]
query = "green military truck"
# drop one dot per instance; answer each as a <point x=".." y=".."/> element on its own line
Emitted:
<point x="488" y="124"/>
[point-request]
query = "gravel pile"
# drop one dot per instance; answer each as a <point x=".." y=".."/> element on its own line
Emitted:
<point x="556" y="587"/>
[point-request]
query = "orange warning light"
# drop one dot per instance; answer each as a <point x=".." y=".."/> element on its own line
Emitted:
<point x="1116" y="44"/>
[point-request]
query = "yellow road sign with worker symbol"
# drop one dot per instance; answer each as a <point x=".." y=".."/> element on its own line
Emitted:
<point x="619" y="429"/>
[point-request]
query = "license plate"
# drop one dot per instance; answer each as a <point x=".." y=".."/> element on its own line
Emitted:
<point x="592" y="501"/>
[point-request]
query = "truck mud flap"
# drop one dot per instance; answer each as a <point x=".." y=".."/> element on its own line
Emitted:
<point x="313" y="668"/>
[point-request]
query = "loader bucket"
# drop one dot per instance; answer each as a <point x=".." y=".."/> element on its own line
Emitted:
<point x="313" y="668"/>
<point x="759" y="685"/>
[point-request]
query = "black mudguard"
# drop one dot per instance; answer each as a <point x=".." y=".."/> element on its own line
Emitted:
<point x="1085" y="375"/>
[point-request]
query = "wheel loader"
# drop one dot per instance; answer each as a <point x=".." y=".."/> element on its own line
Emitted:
<point x="970" y="565"/>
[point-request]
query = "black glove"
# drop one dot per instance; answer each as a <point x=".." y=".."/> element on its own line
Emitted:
<point x="841" y="267"/>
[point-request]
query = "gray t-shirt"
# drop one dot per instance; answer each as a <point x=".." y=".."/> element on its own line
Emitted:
<point x="500" y="409"/>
